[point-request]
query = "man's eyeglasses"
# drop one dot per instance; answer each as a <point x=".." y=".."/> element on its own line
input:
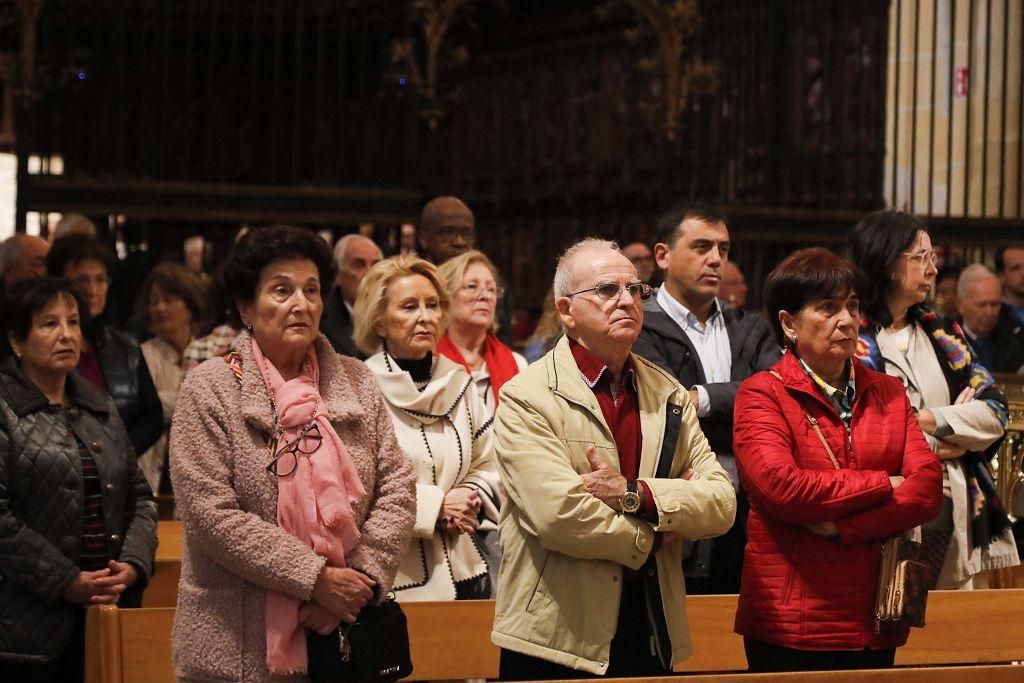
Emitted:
<point x="286" y="459"/>
<point x="609" y="291"/>
<point x="922" y="257"/>
<point x="475" y="291"/>
<point x="449" y="233"/>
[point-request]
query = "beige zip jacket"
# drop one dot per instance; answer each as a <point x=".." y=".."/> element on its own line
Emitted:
<point x="563" y="549"/>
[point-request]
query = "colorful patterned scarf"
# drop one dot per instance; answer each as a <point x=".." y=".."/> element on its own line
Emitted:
<point x="961" y="369"/>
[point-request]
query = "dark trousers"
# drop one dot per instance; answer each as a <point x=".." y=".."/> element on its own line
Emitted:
<point x="630" y="654"/>
<point x="764" y="657"/>
<point x="68" y="667"/>
<point x="724" y="567"/>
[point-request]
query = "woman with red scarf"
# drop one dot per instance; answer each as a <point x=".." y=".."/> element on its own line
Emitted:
<point x="470" y="340"/>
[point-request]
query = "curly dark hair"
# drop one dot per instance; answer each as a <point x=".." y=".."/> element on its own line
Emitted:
<point x="261" y="246"/>
<point x="76" y="248"/>
<point x="28" y="297"/>
<point x="875" y="245"/>
<point x="804" y="277"/>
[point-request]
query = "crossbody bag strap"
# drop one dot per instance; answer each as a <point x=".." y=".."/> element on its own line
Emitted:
<point x="815" y="427"/>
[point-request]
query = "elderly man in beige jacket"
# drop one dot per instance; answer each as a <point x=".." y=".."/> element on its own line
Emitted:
<point x="607" y="472"/>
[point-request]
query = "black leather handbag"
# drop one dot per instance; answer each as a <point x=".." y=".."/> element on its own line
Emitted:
<point x="375" y="649"/>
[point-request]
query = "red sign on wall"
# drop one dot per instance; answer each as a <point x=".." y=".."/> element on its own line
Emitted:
<point x="960" y="82"/>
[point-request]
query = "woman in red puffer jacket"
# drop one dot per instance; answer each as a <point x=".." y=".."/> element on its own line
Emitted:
<point x="810" y="571"/>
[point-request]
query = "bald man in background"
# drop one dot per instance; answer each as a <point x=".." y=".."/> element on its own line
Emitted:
<point x="22" y="257"/>
<point x="992" y="329"/>
<point x="447" y="229"/>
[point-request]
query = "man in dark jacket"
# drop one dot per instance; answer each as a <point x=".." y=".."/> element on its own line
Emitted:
<point x="354" y="255"/>
<point x="709" y="348"/>
<point x="992" y="329"/>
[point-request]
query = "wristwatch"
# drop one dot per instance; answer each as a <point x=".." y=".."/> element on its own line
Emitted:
<point x="630" y="501"/>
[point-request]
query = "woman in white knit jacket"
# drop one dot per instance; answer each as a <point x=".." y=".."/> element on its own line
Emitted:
<point x="440" y="422"/>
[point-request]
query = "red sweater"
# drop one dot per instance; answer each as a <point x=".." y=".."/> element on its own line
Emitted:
<point x="805" y="591"/>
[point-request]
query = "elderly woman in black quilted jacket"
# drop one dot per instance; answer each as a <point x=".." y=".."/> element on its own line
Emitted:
<point x="77" y="520"/>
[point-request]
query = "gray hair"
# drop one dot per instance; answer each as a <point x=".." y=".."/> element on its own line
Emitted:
<point x="194" y="243"/>
<point x="971" y="274"/>
<point x="564" y="279"/>
<point x="74" y="224"/>
<point x="341" y="246"/>
<point x="10" y="252"/>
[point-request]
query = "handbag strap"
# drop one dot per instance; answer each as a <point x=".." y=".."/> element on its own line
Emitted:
<point x="815" y="427"/>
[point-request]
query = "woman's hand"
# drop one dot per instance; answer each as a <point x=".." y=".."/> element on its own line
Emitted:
<point x="966" y="396"/>
<point x="926" y="421"/>
<point x="344" y="592"/>
<point x="460" y="509"/>
<point x="318" y="618"/>
<point x="948" y="451"/>
<point x="102" y="587"/>
<point x="926" y="418"/>
<point x="823" y="528"/>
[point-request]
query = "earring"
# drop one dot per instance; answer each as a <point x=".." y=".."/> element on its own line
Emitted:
<point x="794" y="339"/>
<point x="248" y="325"/>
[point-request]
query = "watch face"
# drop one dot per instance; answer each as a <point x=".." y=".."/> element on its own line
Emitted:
<point x="631" y="502"/>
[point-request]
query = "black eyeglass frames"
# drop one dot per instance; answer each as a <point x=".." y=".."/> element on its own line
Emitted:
<point x="286" y="458"/>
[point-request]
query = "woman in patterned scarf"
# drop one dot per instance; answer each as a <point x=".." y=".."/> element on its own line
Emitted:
<point x="959" y="407"/>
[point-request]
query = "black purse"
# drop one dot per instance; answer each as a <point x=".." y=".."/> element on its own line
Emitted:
<point x="374" y="649"/>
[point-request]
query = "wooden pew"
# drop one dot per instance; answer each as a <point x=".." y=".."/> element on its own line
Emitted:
<point x="979" y="627"/>
<point x="1002" y="673"/>
<point x="162" y="590"/>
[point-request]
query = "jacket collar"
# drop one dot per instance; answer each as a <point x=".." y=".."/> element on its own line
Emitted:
<point x="654" y="388"/>
<point x="449" y="381"/>
<point x="653" y="385"/>
<point x="794" y="377"/>
<point x="660" y="322"/>
<point x="24" y="397"/>
<point x="336" y="388"/>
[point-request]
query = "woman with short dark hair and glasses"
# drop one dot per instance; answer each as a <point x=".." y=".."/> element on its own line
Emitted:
<point x="441" y="422"/>
<point x="295" y="499"/>
<point x="958" y="405"/>
<point x="833" y="462"/>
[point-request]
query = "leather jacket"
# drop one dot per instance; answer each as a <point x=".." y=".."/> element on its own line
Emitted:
<point x="41" y="507"/>
<point x="128" y="383"/>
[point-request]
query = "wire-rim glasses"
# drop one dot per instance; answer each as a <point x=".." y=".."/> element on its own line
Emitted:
<point x="286" y="458"/>
<point x="610" y="291"/>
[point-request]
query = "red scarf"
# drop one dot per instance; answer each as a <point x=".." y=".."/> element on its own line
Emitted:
<point x="501" y="364"/>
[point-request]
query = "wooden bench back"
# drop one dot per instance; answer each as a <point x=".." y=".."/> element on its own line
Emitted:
<point x="451" y="640"/>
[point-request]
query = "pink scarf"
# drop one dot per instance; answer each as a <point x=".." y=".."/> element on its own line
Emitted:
<point x="314" y="502"/>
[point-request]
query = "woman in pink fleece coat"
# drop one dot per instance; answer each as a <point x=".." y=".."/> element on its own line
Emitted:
<point x="296" y="501"/>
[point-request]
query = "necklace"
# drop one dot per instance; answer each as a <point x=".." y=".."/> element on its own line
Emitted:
<point x="273" y="404"/>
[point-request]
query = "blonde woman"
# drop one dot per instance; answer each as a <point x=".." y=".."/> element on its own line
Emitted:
<point x="470" y="341"/>
<point x="440" y="422"/>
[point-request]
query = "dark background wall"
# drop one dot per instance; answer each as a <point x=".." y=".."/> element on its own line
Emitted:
<point x="547" y="118"/>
